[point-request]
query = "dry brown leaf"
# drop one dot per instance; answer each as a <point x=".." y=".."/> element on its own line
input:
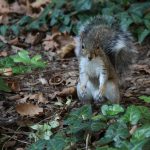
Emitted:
<point x="64" y="39"/>
<point x="56" y="80"/>
<point x="16" y="8"/>
<point x="4" y="7"/>
<point x="67" y="91"/>
<point x="3" y="53"/>
<point x="14" y="85"/>
<point x="4" y="19"/>
<point x="20" y="148"/>
<point x="3" y="39"/>
<point x="49" y="43"/>
<point x="139" y="67"/>
<point x="24" y="99"/>
<point x="43" y="81"/>
<point x="9" y="144"/>
<point x="71" y="82"/>
<point x="67" y="50"/>
<point x="39" y="3"/>
<point x="14" y="41"/>
<point x="39" y="97"/>
<point x="42" y="99"/>
<point x="30" y="38"/>
<point x="6" y="71"/>
<point x="26" y="109"/>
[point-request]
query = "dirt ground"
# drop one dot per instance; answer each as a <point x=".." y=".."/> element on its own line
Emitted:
<point x="49" y="83"/>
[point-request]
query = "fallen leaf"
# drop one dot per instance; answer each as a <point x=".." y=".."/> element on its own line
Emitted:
<point x="42" y="99"/>
<point x="6" y="71"/>
<point x="26" y="109"/>
<point x="49" y="43"/>
<point x="24" y="99"/>
<point x="14" y="85"/>
<point x="9" y="144"/>
<point x="67" y="91"/>
<point x="20" y="148"/>
<point x="3" y="53"/>
<point x="67" y="50"/>
<point x="43" y="81"/>
<point x="56" y="80"/>
<point x="70" y="82"/>
<point x="39" y="97"/>
<point x="144" y="68"/>
<point x="39" y="3"/>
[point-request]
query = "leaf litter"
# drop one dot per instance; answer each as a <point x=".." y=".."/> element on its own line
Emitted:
<point x="50" y="91"/>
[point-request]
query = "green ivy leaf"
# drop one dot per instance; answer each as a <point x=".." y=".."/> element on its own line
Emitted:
<point x="15" y="29"/>
<point x="139" y="8"/>
<point x="115" y="132"/>
<point x="85" y="112"/>
<point x="147" y="16"/>
<point x="24" y="20"/>
<point x="136" y="19"/>
<point x="132" y="115"/>
<point x="111" y="110"/>
<point x="105" y="148"/>
<point x="3" y="29"/>
<point x="142" y="35"/>
<point x="145" y="98"/>
<point x="22" y="56"/>
<point x="97" y="126"/>
<point x="39" y="145"/>
<point x="82" y="5"/>
<point x="147" y="23"/>
<point x="56" y="143"/>
<point x="3" y="86"/>
<point x="142" y="133"/>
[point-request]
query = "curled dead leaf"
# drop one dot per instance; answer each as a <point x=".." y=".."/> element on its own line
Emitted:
<point x="38" y="4"/>
<point x="67" y="50"/>
<point x="67" y="91"/>
<point x="56" y="80"/>
<point x="6" y="71"/>
<point x="3" y="53"/>
<point x="26" y="109"/>
<point x="39" y="97"/>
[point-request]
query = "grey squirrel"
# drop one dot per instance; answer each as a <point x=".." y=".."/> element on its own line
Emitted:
<point x="103" y="50"/>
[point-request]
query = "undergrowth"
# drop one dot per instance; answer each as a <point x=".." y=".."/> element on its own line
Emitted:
<point x="18" y="64"/>
<point x="69" y="15"/>
<point x="112" y="128"/>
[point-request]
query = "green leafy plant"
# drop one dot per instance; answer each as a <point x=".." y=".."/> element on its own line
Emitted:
<point x="3" y="86"/>
<point x="145" y="98"/>
<point x="22" y="62"/>
<point x="43" y="131"/>
<point x="122" y="128"/>
<point x="19" y="63"/>
<point x="69" y="15"/>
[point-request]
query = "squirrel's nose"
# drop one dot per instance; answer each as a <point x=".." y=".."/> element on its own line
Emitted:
<point x="90" y="57"/>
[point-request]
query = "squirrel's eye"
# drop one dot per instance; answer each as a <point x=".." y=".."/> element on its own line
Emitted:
<point x="83" y="46"/>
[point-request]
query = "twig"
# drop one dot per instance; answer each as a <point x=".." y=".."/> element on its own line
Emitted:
<point x="133" y="129"/>
<point x="87" y="141"/>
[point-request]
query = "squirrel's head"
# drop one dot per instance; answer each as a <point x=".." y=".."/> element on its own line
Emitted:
<point x="90" y="45"/>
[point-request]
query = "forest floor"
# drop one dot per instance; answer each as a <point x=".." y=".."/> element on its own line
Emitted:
<point x="53" y="89"/>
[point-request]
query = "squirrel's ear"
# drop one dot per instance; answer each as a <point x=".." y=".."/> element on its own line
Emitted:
<point x="77" y="46"/>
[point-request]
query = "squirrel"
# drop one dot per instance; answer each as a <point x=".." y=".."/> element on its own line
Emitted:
<point x="104" y="50"/>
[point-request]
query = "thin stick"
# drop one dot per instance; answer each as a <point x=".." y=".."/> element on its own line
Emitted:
<point x="87" y="141"/>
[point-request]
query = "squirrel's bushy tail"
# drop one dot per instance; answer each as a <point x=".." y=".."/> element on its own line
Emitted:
<point x="117" y="44"/>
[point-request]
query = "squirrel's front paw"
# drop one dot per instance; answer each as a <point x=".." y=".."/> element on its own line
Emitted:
<point x="99" y="95"/>
<point x="83" y="90"/>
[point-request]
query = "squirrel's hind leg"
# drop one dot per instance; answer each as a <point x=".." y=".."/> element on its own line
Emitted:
<point x="112" y="92"/>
